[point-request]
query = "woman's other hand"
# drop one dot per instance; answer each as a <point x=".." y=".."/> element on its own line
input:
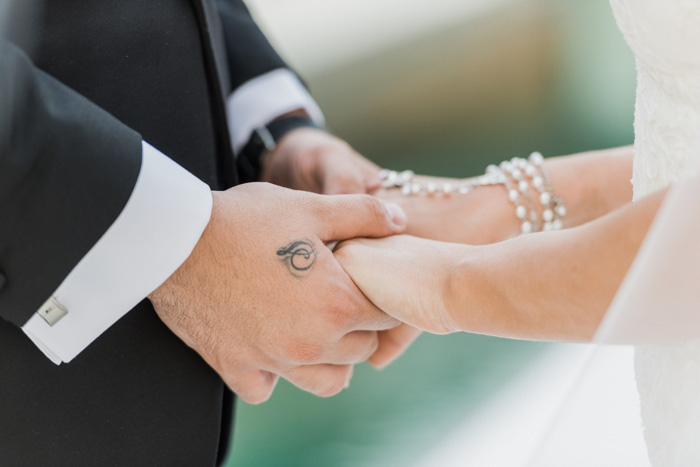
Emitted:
<point x="404" y="276"/>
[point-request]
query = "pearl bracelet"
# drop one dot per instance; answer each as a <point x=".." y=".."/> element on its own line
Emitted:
<point x="554" y="209"/>
<point x="528" y="216"/>
<point x="404" y="181"/>
<point x="514" y="175"/>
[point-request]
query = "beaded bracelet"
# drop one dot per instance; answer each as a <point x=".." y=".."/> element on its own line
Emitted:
<point x="554" y="209"/>
<point x="404" y="181"/>
<point x="528" y="216"/>
<point x="514" y="175"/>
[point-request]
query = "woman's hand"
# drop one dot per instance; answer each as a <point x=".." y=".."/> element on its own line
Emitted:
<point x="441" y="287"/>
<point x="482" y="216"/>
<point x="591" y="184"/>
<point x="547" y="286"/>
<point x="406" y="277"/>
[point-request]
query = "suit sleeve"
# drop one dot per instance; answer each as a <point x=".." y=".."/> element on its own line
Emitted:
<point x="248" y="51"/>
<point x="263" y="87"/>
<point x="92" y="216"/>
<point x="67" y="169"/>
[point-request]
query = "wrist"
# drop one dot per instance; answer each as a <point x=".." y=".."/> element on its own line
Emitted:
<point x="503" y="224"/>
<point x="479" y="279"/>
<point x="592" y="183"/>
<point x="464" y="284"/>
<point x="517" y="186"/>
<point x="571" y="177"/>
<point x="265" y="141"/>
<point x="177" y="279"/>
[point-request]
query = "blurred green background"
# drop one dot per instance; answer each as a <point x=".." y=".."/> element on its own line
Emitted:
<point x="443" y="89"/>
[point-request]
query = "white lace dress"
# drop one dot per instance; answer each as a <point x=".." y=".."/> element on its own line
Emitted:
<point x="665" y="38"/>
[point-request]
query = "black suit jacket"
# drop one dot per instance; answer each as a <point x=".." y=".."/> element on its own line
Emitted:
<point x="81" y="84"/>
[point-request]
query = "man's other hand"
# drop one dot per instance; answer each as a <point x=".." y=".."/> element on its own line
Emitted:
<point x="312" y="160"/>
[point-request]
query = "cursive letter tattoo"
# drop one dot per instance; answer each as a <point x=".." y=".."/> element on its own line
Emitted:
<point x="299" y="256"/>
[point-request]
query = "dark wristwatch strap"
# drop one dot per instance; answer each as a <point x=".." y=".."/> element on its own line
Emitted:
<point x="263" y="139"/>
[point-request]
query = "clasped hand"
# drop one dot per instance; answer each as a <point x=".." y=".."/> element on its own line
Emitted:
<point x="261" y="296"/>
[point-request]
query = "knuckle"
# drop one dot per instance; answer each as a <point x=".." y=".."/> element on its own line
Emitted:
<point x="376" y="210"/>
<point x="303" y="352"/>
<point x="343" y="145"/>
<point x="308" y="379"/>
<point x="346" y="180"/>
<point x="343" y="317"/>
<point x="321" y="208"/>
<point x="373" y="205"/>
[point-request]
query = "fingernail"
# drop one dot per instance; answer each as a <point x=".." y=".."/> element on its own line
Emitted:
<point x="398" y="216"/>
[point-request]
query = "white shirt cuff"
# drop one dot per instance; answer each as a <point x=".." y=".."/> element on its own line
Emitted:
<point x="156" y="231"/>
<point x="264" y="98"/>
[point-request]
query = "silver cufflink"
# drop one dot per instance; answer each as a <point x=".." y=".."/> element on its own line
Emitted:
<point x="52" y="311"/>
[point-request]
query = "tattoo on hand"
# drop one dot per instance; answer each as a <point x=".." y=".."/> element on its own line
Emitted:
<point x="298" y="256"/>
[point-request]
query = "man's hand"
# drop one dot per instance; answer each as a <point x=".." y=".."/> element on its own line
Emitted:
<point x="313" y="160"/>
<point x="261" y="296"/>
<point x="392" y="343"/>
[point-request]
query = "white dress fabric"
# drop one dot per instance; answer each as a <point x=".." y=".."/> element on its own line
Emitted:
<point x="651" y="392"/>
<point x="659" y="303"/>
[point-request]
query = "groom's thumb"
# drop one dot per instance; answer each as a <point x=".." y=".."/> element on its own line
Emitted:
<point x="351" y="216"/>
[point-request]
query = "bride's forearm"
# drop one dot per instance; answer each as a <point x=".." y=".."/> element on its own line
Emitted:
<point x="553" y="285"/>
<point x="593" y="183"/>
